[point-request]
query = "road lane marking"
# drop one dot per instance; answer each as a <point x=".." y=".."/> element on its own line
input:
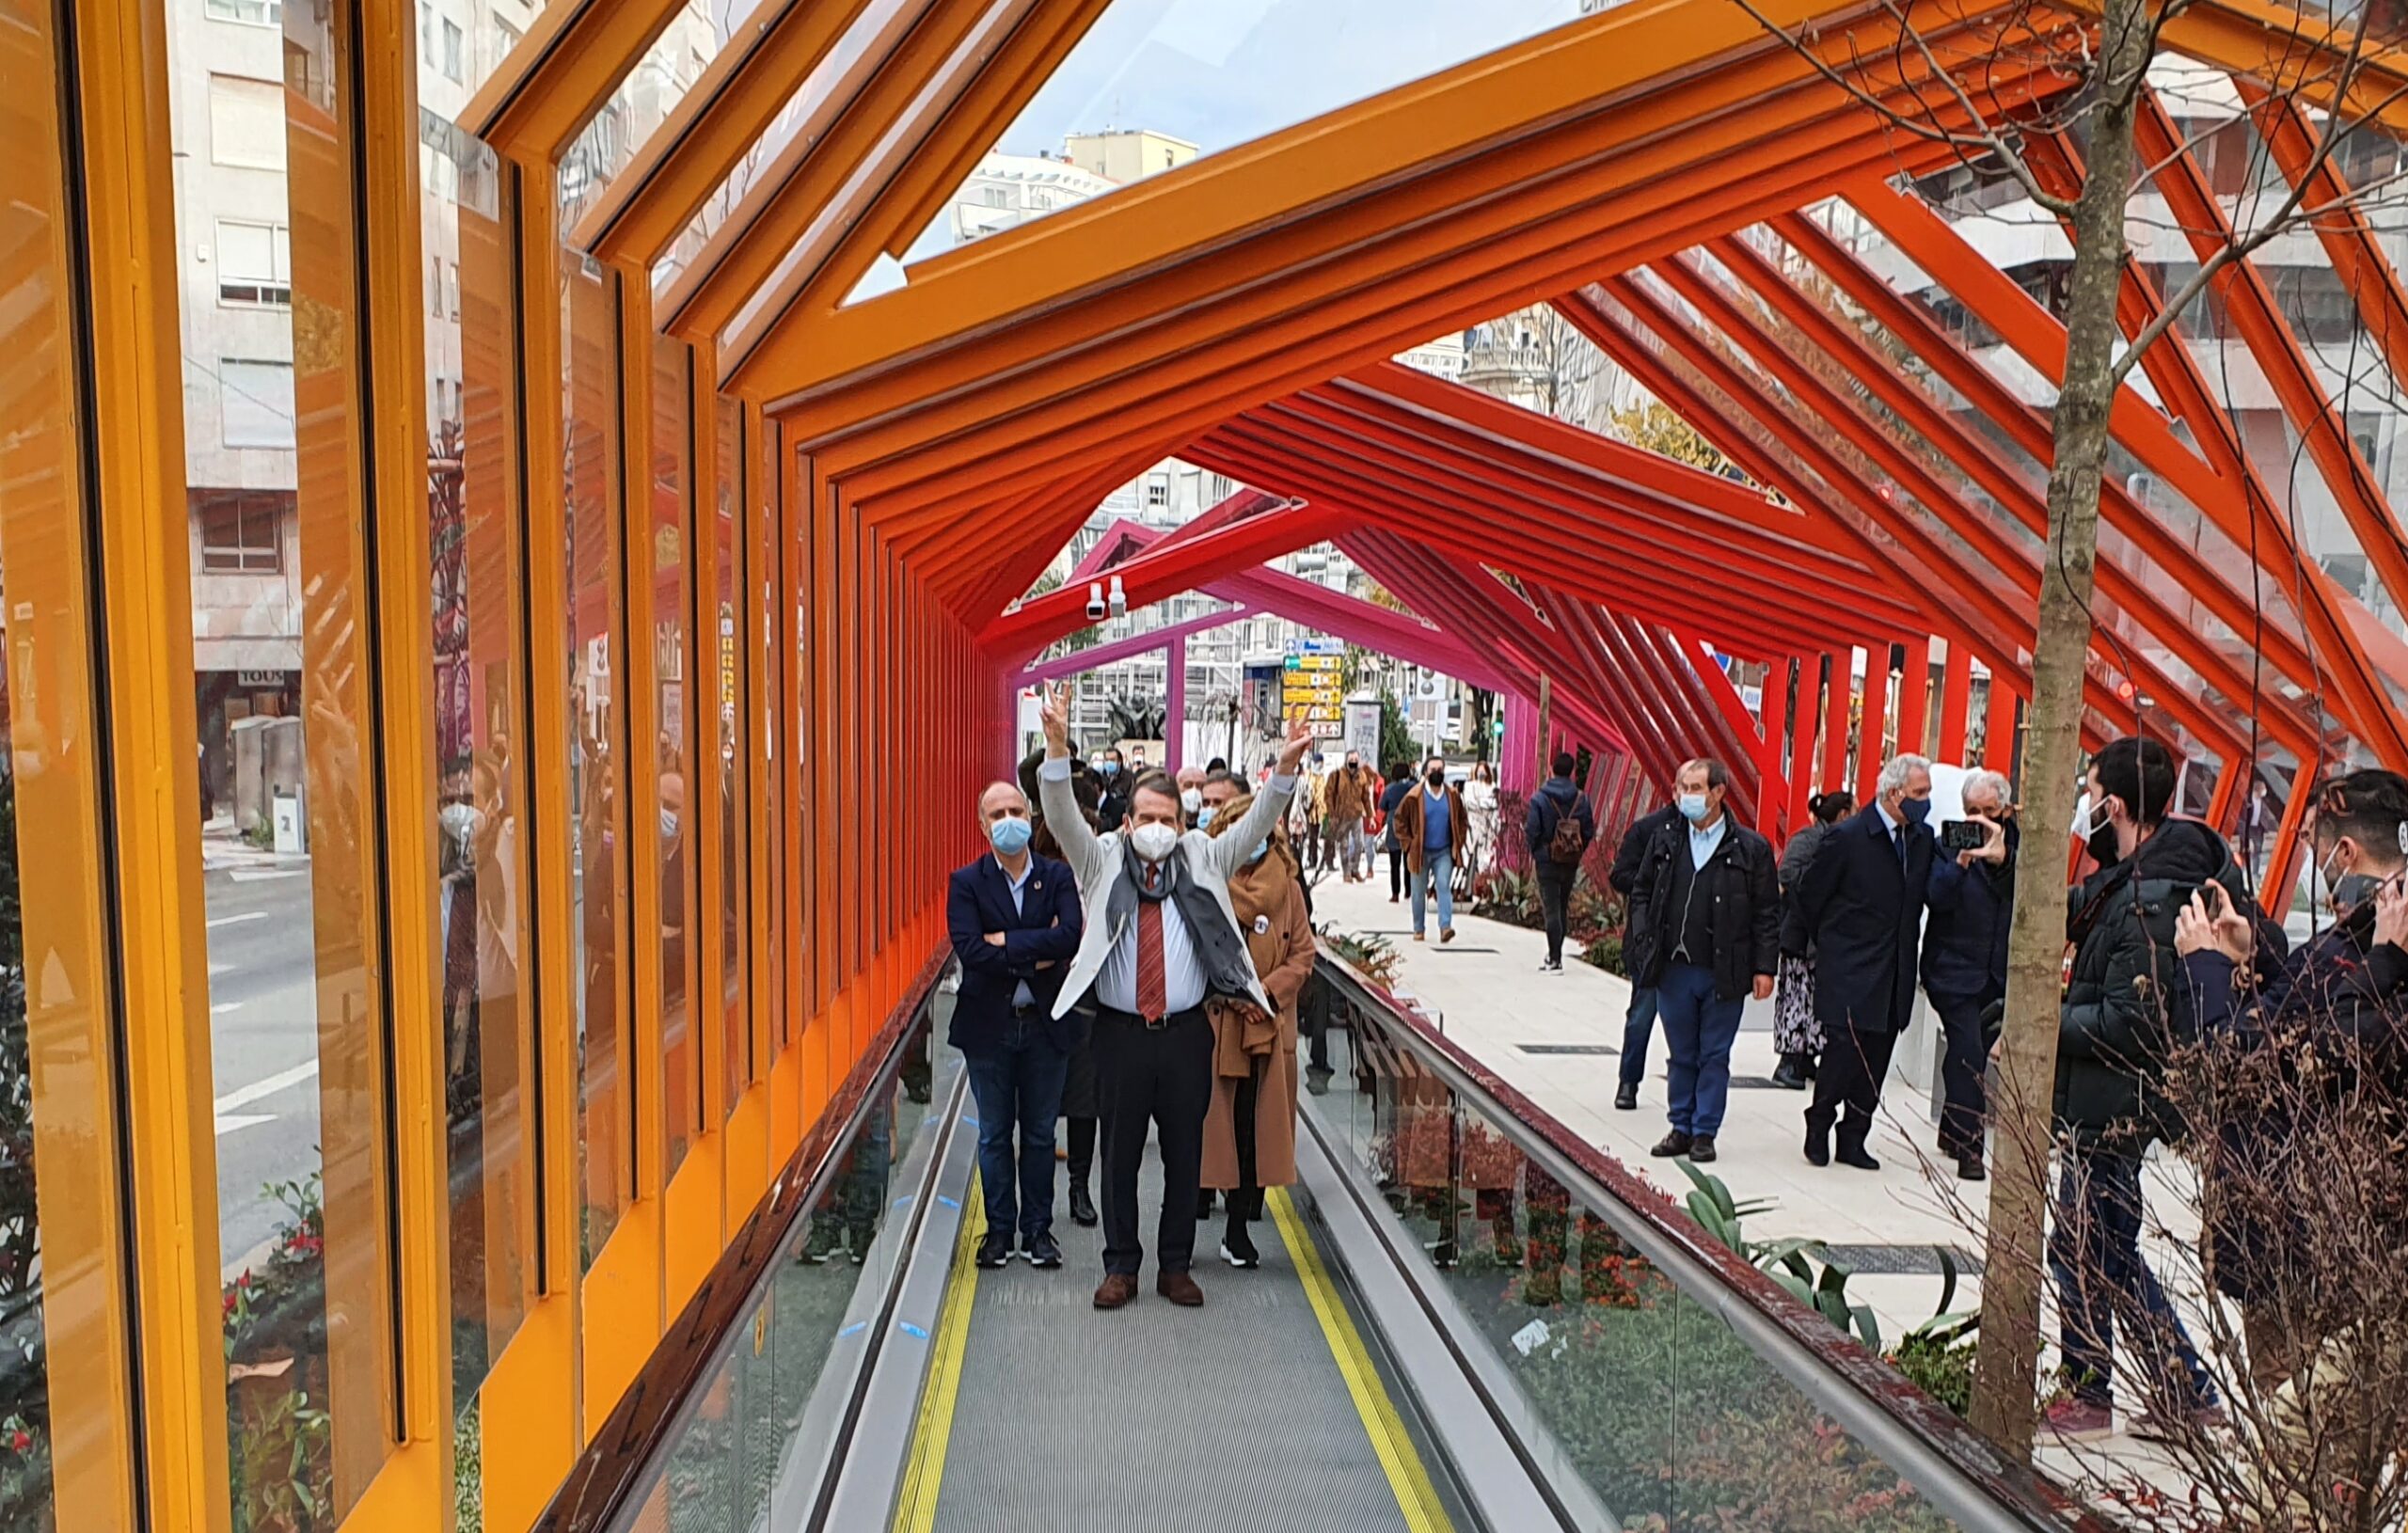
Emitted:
<point x="251" y="875"/>
<point x="233" y="1121"/>
<point x="245" y="1095"/>
<point x="224" y="1007"/>
<point x="232" y="920"/>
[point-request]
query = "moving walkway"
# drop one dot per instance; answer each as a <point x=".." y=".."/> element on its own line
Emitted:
<point x="1466" y="1318"/>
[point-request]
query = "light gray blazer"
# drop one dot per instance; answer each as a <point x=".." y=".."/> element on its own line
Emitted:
<point x="1096" y="862"/>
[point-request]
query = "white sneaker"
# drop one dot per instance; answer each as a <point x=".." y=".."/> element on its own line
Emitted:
<point x="1554" y="969"/>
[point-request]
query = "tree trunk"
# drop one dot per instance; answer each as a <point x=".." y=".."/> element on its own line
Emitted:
<point x="2004" y="1402"/>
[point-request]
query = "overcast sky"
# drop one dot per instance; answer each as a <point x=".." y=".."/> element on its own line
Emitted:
<point x="1219" y="72"/>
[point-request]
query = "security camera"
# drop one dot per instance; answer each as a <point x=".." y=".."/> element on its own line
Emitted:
<point x="1120" y="599"/>
<point x="1095" y="603"/>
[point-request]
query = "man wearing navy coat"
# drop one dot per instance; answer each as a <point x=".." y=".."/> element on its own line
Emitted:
<point x="1859" y="909"/>
<point x="1015" y="923"/>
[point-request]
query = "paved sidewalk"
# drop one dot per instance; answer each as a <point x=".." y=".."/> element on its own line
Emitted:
<point x="1486" y="994"/>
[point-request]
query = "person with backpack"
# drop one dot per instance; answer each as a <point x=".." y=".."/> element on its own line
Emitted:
<point x="1558" y="825"/>
<point x="1638" y="1021"/>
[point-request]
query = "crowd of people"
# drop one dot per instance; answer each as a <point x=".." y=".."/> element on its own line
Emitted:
<point x="2166" y="946"/>
<point x="1132" y="947"/>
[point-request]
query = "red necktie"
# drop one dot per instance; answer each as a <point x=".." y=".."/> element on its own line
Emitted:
<point x="1153" y="1003"/>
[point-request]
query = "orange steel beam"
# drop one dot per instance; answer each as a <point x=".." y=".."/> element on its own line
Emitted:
<point x="1610" y="572"/>
<point x="1343" y="318"/>
<point x="1974" y="457"/>
<point x="2318" y="57"/>
<point x="1378" y="313"/>
<point x="1696" y="729"/>
<point x="1477" y="607"/>
<point x="1944" y="503"/>
<point x="713" y="126"/>
<point x="2337" y="626"/>
<point x="2348" y="238"/>
<point x="2255" y="313"/>
<point x="990" y="76"/>
<point x="1733" y="441"/>
<point x="2029" y="428"/>
<point x="2227" y="487"/>
<point x="1158" y="574"/>
<point x="547" y="89"/>
<point x="1376" y="422"/>
<point x="1521" y="117"/>
<point x="873" y="93"/>
<point x="1472" y="483"/>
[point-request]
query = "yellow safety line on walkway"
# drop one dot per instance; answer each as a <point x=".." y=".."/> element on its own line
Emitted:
<point x="1417" y="1497"/>
<point x="915" y="1506"/>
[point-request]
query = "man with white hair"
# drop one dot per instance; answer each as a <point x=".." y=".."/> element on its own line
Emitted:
<point x="1970" y="897"/>
<point x="1859" y="909"/>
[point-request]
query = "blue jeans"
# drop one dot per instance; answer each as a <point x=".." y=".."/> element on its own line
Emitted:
<point x="2095" y="1254"/>
<point x="1017" y="1087"/>
<point x="1637" y="1026"/>
<point x="1439" y="864"/>
<point x="1699" y="1030"/>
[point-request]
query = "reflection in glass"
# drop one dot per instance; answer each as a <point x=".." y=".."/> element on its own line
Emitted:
<point x="664" y="515"/>
<point x="24" y="1371"/>
<point x="727" y="659"/>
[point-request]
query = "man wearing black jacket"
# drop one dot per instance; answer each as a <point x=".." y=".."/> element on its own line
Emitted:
<point x="1970" y="897"/>
<point x="1556" y="797"/>
<point x="1709" y="901"/>
<point x="1858" y="907"/>
<point x="2341" y="1002"/>
<point x="1638" y="1022"/>
<point x="2126" y="1008"/>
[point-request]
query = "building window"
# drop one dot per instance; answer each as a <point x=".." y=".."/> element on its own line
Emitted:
<point x="257" y="403"/>
<point x="241" y="530"/>
<point x="510" y="36"/>
<point x="254" y="264"/>
<point x="452" y="38"/>
<point x="246" y="123"/>
<point x="1158" y="489"/>
<point x="250" y="12"/>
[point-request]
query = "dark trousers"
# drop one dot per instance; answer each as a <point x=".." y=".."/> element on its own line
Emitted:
<point x="1312" y="1016"/>
<point x="2095" y="1254"/>
<point x="1245" y="1198"/>
<point x="1637" y="1027"/>
<point x="1962" y="1072"/>
<point x="1855" y="1061"/>
<point x="1555" y="895"/>
<point x="1161" y="1077"/>
<point x="1698" y="1029"/>
<point x="1398" y="872"/>
<point x="1018" y="1088"/>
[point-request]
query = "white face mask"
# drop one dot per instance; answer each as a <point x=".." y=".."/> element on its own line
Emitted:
<point x="1191" y="800"/>
<point x="1153" y="842"/>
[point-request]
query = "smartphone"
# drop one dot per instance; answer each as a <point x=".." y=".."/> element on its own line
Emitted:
<point x="1963" y="835"/>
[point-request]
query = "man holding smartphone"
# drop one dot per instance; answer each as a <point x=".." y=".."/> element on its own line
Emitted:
<point x="1970" y="897"/>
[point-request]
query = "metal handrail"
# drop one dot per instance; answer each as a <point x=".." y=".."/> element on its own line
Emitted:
<point x="1957" y="1470"/>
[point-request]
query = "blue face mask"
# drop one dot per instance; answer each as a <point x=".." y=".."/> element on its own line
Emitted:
<point x="1693" y="807"/>
<point x="1010" y="836"/>
<point x="1112" y="768"/>
<point x="1261" y="850"/>
<point x="1204" y="817"/>
<point x="1915" y="810"/>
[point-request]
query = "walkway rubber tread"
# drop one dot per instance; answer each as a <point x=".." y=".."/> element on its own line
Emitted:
<point x="1234" y="1419"/>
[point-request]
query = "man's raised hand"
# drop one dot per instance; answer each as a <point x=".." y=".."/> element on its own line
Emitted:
<point x="1300" y="741"/>
<point x="1055" y="712"/>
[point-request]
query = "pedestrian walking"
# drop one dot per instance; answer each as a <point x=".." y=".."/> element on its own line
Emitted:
<point x="1638" y="1017"/>
<point x="1971" y="899"/>
<point x="1430" y="823"/>
<point x="1797" y="1032"/>
<point x="1558" y="825"/>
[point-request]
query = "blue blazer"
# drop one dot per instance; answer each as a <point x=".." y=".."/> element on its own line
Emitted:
<point x="1045" y="930"/>
<point x="1862" y="911"/>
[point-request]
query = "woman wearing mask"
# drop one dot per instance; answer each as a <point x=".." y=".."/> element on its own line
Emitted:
<point x="1250" y="1128"/>
<point x="1797" y="1036"/>
<point x="1480" y="810"/>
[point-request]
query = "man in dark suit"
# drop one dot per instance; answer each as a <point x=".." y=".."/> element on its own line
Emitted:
<point x="1015" y="921"/>
<point x="1859" y="907"/>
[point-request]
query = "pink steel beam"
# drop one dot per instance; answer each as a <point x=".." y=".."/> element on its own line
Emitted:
<point x="1080" y="661"/>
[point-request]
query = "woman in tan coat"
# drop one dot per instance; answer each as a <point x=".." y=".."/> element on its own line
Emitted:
<point x="1250" y="1129"/>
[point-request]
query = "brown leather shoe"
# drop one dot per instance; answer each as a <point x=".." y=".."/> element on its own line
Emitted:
<point x="1115" y="1291"/>
<point x="1178" y="1288"/>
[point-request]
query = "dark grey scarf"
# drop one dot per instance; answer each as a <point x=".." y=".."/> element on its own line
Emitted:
<point x="1227" y="968"/>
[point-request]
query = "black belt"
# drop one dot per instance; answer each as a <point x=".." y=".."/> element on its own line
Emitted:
<point x="1113" y="1014"/>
